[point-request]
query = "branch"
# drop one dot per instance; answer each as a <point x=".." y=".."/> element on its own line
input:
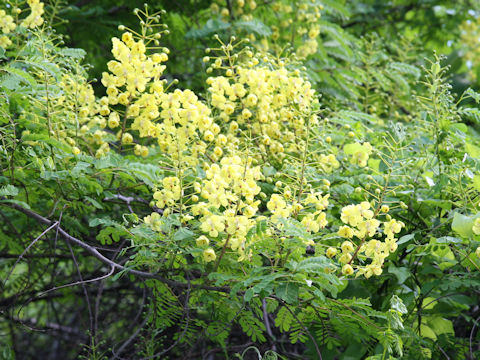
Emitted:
<point x="94" y="252"/>
<point x="129" y="199"/>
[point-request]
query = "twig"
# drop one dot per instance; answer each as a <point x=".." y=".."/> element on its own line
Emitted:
<point x="28" y="248"/>
<point x="471" y="336"/>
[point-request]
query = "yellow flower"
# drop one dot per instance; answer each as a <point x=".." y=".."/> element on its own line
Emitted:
<point x="310" y="224"/>
<point x="347" y="269"/>
<point x="347" y="247"/>
<point x="127" y="138"/>
<point x="331" y="252"/>
<point x="154" y="220"/>
<point x="322" y="220"/>
<point x="351" y="214"/>
<point x="345" y="231"/>
<point x="345" y="258"/>
<point x="209" y="255"/>
<point x="208" y="136"/>
<point x="202" y="241"/>
<point x="276" y="203"/>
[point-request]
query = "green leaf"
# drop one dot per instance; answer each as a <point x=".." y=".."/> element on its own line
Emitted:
<point x="397" y="304"/>
<point x="405" y="238"/>
<point x="472" y="150"/>
<point x="183" y="234"/>
<point x="448" y="240"/>
<point x="8" y="190"/>
<point x="94" y="202"/>
<point x="288" y="292"/>
<point x="440" y="325"/>
<point x="462" y="225"/>
<point x="26" y="77"/>
<point x="248" y="295"/>
<point x="284" y="319"/>
<point x="476" y="182"/>
<point x="73" y="53"/>
<point x="402" y="273"/>
<point x="211" y="27"/>
<point x="427" y="332"/>
<point x="255" y="26"/>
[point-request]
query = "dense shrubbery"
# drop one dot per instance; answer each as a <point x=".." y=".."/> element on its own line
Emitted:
<point x="307" y="188"/>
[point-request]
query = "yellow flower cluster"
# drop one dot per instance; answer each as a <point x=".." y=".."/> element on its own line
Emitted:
<point x="263" y="101"/>
<point x="313" y="220"/>
<point x="178" y="120"/>
<point x="328" y="163"/>
<point x="79" y="120"/>
<point x="256" y="100"/>
<point x="303" y="38"/>
<point x="360" y="222"/>
<point x="34" y="19"/>
<point x="7" y="25"/>
<point x="155" y="221"/>
<point x="229" y="205"/>
<point x="306" y="13"/>
<point x="6" y="22"/>
<point x="170" y="192"/>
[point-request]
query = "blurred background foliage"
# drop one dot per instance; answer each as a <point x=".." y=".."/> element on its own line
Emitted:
<point x="449" y="27"/>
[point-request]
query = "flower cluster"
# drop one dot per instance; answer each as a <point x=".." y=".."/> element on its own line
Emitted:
<point x="170" y="192"/>
<point x="212" y="183"/>
<point x="178" y="120"/>
<point x="306" y="13"/>
<point x="34" y="19"/>
<point x="229" y="201"/>
<point x="361" y="222"/>
<point x="78" y="121"/>
<point x="264" y="101"/>
<point x="303" y="38"/>
<point x="7" y="25"/>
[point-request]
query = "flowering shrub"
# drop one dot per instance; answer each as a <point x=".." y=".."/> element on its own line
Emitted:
<point x="264" y="209"/>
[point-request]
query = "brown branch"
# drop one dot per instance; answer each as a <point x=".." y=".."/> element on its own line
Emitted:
<point x="94" y="252"/>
